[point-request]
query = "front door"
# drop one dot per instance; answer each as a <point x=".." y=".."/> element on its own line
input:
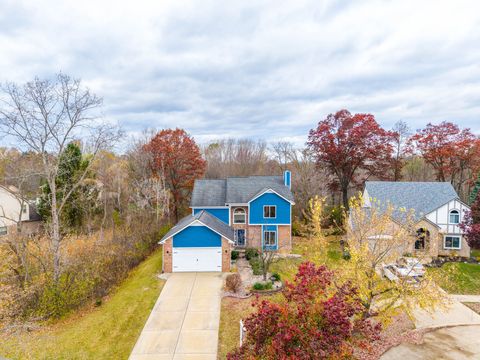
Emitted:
<point x="240" y="237"/>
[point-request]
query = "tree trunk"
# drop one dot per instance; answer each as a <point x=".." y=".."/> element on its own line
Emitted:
<point x="345" y="196"/>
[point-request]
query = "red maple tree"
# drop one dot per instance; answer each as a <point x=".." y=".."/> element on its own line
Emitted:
<point x="453" y="153"/>
<point x="350" y="146"/>
<point x="177" y="158"/>
<point x="316" y="320"/>
<point x="471" y="224"/>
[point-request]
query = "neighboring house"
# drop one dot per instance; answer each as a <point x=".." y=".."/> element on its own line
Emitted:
<point x="14" y="210"/>
<point x="438" y="212"/>
<point x="253" y="211"/>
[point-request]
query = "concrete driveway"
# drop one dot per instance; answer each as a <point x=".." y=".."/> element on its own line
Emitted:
<point x="456" y="336"/>
<point x="184" y="321"/>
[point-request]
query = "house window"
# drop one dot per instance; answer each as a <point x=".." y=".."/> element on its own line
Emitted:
<point x="239" y="216"/>
<point x="3" y="230"/>
<point x="454" y="217"/>
<point x="24" y="208"/>
<point x="452" y="242"/>
<point x="269" y="211"/>
<point x="269" y="238"/>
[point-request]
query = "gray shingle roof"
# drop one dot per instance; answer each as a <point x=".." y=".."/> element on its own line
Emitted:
<point x="422" y="197"/>
<point x="209" y="193"/>
<point x="209" y="220"/>
<point x="236" y="190"/>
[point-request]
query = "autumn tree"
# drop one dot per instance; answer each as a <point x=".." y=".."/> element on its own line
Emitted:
<point x="376" y="236"/>
<point x="177" y="158"/>
<point x="316" y="320"/>
<point x="351" y="147"/>
<point x="453" y="153"/>
<point x="471" y="222"/>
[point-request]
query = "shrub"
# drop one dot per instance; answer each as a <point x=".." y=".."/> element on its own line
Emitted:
<point x="233" y="282"/>
<point x="346" y="255"/>
<point x="256" y="266"/>
<point x="275" y="276"/>
<point x="296" y="228"/>
<point x="263" y="286"/>
<point x="251" y="253"/>
<point x="316" y="318"/>
<point x="234" y="255"/>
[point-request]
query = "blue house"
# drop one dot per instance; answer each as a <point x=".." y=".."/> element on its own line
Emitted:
<point x="252" y="211"/>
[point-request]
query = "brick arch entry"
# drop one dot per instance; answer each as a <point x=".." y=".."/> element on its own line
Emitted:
<point x="423" y="239"/>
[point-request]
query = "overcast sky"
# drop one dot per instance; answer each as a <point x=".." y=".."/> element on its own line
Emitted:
<point x="261" y="69"/>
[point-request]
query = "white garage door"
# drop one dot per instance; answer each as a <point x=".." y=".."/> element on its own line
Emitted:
<point x="197" y="259"/>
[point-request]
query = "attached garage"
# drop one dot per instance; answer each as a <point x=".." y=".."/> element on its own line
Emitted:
<point x="198" y="243"/>
<point x="197" y="259"/>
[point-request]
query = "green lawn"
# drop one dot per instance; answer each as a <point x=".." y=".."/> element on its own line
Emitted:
<point x="458" y="278"/>
<point x="310" y="250"/>
<point x="107" y="332"/>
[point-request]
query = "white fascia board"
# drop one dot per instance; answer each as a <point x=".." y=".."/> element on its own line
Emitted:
<point x="195" y="223"/>
<point x="270" y="191"/>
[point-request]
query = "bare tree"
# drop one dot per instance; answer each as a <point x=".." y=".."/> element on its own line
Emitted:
<point x="233" y="157"/>
<point x="283" y="151"/>
<point x="44" y="116"/>
<point x="402" y="133"/>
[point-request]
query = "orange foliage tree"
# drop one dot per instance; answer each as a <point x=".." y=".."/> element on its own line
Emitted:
<point x="176" y="157"/>
<point x="453" y="153"/>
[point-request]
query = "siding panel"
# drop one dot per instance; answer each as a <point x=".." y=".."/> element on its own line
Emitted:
<point x="197" y="236"/>
<point x="282" y="211"/>
<point x="221" y="214"/>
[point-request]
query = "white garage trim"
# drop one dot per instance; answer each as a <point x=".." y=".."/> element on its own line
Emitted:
<point x="197" y="259"/>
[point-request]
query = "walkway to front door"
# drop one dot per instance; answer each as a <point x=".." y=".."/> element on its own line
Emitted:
<point x="184" y="322"/>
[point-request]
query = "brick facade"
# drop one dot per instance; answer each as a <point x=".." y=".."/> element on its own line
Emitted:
<point x="284" y="238"/>
<point x="226" y="255"/>
<point x="167" y="256"/>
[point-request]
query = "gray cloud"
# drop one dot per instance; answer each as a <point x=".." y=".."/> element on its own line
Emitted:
<point x="254" y="69"/>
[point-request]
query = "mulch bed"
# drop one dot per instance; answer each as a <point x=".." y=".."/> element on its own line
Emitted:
<point x="400" y="330"/>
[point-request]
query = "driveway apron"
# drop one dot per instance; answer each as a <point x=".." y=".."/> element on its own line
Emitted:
<point x="184" y="321"/>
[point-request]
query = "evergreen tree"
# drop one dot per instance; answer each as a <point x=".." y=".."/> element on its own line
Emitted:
<point x="476" y="189"/>
<point x="71" y="165"/>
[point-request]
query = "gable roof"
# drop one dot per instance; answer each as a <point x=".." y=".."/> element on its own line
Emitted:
<point x="422" y="197"/>
<point x="209" y="193"/>
<point x="236" y="190"/>
<point x="210" y="221"/>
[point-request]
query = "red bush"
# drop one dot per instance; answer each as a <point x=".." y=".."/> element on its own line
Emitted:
<point x="317" y="321"/>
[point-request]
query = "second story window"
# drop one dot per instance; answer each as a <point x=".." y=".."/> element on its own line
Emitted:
<point x="239" y="216"/>
<point x="269" y="211"/>
<point x="454" y="217"/>
<point x="3" y="230"/>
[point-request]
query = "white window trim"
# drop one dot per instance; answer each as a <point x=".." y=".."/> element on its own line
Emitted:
<point x="244" y="214"/>
<point x="270" y="217"/>
<point x="450" y="214"/>
<point x="452" y="248"/>
<point x="274" y="237"/>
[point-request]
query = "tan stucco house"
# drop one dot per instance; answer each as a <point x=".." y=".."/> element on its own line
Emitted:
<point x="437" y="210"/>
